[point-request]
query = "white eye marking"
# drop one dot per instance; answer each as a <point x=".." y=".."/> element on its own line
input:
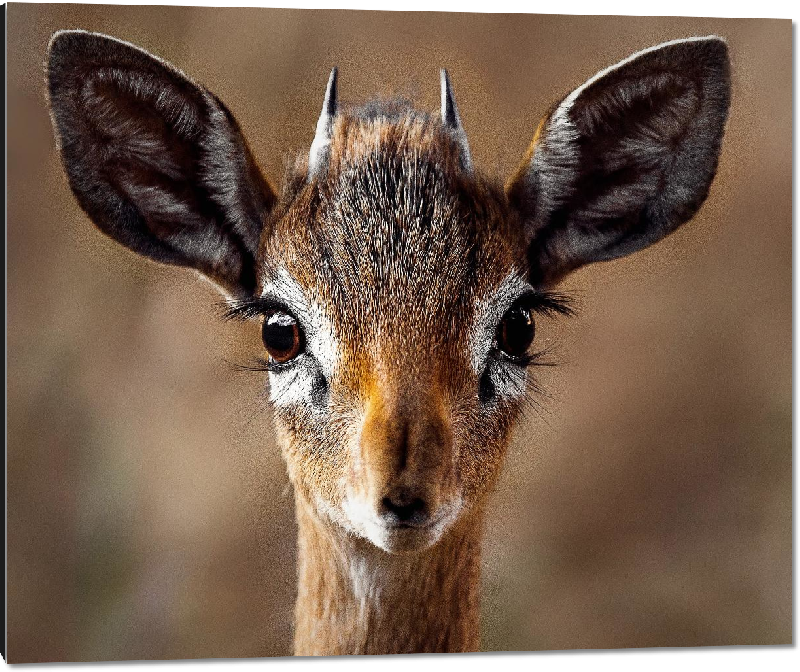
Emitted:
<point x="297" y="384"/>
<point x="509" y="380"/>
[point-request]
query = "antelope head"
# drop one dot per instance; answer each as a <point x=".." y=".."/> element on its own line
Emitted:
<point x="397" y="288"/>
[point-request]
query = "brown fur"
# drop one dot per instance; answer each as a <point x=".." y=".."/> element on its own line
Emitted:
<point x="398" y="245"/>
<point x="413" y="603"/>
<point x="404" y="262"/>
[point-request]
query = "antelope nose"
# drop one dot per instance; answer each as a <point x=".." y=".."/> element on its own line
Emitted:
<point x="404" y="509"/>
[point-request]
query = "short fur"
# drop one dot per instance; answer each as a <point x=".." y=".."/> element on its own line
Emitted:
<point x="399" y="261"/>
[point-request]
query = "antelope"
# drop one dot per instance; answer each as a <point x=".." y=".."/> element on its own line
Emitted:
<point x="397" y="290"/>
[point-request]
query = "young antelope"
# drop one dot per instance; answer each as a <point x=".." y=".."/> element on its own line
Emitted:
<point x="396" y="287"/>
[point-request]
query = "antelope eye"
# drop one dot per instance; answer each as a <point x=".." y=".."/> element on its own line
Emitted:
<point x="282" y="336"/>
<point x="515" y="333"/>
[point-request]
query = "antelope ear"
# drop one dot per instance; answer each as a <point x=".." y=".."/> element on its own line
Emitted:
<point x="156" y="161"/>
<point x="624" y="159"/>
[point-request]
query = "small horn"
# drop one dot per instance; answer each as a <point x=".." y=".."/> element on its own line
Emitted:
<point x="320" y="148"/>
<point x="451" y="120"/>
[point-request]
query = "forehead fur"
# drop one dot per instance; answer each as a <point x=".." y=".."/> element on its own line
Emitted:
<point x="394" y="238"/>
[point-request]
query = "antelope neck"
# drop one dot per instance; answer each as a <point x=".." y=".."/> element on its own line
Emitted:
<point x="354" y="598"/>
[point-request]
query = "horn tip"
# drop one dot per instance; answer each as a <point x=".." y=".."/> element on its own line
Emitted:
<point x="444" y="78"/>
<point x="449" y="110"/>
<point x="332" y="80"/>
<point x="331" y="93"/>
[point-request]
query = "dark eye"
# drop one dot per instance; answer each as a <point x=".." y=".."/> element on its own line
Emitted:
<point x="515" y="333"/>
<point x="282" y="336"/>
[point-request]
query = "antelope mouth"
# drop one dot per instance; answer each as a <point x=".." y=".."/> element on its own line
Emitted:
<point x="408" y="526"/>
<point x="421" y="525"/>
<point x="406" y="539"/>
<point x="395" y="536"/>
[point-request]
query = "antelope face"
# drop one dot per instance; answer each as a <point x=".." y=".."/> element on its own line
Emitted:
<point x="396" y="288"/>
<point x="396" y="277"/>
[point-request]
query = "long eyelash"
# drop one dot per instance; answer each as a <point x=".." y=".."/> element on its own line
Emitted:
<point x="550" y="303"/>
<point x="257" y="364"/>
<point x="266" y="365"/>
<point x="250" y="309"/>
<point x="544" y="303"/>
<point x="534" y="359"/>
<point x="530" y="359"/>
<point x="539" y="358"/>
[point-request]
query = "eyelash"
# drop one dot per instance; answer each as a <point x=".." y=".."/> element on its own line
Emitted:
<point x="524" y="361"/>
<point x="252" y="309"/>
<point x="541" y="302"/>
<point x="268" y="366"/>
<point x="547" y="303"/>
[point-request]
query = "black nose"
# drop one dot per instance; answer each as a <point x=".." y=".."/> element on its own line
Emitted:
<point x="404" y="510"/>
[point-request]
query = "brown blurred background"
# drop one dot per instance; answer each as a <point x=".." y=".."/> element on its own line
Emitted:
<point x="647" y="504"/>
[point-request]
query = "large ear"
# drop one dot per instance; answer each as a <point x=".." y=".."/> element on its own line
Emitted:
<point x="624" y="159"/>
<point x="156" y="161"/>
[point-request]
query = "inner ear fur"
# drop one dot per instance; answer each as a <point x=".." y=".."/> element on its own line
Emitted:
<point x="156" y="161"/>
<point x="624" y="159"/>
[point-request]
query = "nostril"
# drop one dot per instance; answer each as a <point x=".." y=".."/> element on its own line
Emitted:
<point x="399" y="512"/>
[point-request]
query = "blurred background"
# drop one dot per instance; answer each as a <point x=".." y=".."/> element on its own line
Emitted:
<point x="647" y="503"/>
